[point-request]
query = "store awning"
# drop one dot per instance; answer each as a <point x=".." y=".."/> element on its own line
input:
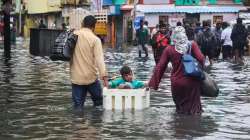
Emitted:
<point x="149" y="9"/>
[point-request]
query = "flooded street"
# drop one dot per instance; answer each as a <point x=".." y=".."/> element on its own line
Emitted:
<point x="35" y="103"/>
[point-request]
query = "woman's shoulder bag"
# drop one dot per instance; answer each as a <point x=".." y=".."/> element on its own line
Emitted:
<point x="192" y="67"/>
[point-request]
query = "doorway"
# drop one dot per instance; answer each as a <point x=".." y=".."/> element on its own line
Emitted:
<point x="192" y="18"/>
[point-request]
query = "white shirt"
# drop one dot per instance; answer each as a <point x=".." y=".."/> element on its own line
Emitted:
<point x="226" y="36"/>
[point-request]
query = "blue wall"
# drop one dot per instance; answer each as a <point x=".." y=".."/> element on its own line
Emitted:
<point x="107" y="2"/>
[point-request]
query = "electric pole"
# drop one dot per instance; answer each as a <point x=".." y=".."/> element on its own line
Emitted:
<point x="20" y="17"/>
<point x="6" y="12"/>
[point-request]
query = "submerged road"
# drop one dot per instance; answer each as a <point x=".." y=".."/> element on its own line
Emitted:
<point x="35" y="103"/>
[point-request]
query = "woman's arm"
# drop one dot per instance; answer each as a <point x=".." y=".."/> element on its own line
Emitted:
<point x="197" y="53"/>
<point x="159" y="69"/>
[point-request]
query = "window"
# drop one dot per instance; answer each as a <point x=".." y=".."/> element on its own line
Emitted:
<point x="163" y="19"/>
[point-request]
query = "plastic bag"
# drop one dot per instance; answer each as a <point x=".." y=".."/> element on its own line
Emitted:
<point x="209" y="88"/>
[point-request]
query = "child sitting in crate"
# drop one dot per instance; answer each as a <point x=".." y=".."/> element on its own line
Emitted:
<point x="126" y="80"/>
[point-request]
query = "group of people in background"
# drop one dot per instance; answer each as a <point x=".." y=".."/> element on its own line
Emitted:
<point x="230" y="41"/>
<point x="212" y="41"/>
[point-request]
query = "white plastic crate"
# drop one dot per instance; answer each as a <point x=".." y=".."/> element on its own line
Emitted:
<point x="122" y="99"/>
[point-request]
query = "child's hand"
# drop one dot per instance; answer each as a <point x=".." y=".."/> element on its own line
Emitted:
<point x="121" y="86"/>
<point x="127" y="86"/>
<point x="124" y="86"/>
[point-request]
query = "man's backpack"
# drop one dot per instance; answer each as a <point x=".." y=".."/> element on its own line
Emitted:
<point x="64" y="46"/>
<point x="239" y="34"/>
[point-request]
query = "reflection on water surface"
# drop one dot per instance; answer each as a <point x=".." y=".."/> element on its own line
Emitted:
<point x="35" y="103"/>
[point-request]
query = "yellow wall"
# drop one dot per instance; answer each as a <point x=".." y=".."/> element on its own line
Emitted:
<point x="29" y="23"/>
<point x="43" y="6"/>
<point x="70" y="1"/>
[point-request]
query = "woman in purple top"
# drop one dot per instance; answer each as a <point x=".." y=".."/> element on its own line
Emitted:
<point x="185" y="90"/>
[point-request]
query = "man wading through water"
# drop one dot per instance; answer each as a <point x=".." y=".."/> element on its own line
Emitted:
<point x="159" y="42"/>
<point x="142" y="36"/>
<point x="239" y="38"/>
<point x="87" y="62"/>
<point x="207" y="40"/>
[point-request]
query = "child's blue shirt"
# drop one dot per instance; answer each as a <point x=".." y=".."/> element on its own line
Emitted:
<point x="134" y="83"/>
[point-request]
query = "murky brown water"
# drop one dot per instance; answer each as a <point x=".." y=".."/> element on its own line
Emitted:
<point x="35" y="103"/>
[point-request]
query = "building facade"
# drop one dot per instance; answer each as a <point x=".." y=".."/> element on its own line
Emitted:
<point x="171" y="12"/>
<point x="121" y="14"/>
<point x="47" y="10"/>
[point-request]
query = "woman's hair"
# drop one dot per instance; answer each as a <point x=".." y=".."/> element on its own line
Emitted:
<point x="224" y="25"/>
<point x="178" y="23"/>
<point x="125" y="70"/>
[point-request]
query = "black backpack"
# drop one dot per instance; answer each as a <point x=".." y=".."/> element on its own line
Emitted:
<point x="64" y="46"/>
<point x="239" y="34"/>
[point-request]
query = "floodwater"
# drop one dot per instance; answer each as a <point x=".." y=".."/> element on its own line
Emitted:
<point x="35" y="103"/>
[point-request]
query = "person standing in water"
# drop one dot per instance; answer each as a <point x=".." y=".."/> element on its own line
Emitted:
<point x="186" y="90"/>
<point x="142" y="36"/>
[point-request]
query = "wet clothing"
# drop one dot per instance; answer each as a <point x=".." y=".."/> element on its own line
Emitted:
<point x="88" y="59"/>
<point x="134" y="84"/>
<point x="79" y="93"/>
<point x="143" y="47"/>
<point x="185" y="90"/>
<point x="227" y="51"/>
<point x="1" y="28"/>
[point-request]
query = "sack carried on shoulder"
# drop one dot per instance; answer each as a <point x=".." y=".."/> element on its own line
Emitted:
<point x="208" y="87"/>
<point x="191" y="66"/>
<point x="64" y="46"/>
